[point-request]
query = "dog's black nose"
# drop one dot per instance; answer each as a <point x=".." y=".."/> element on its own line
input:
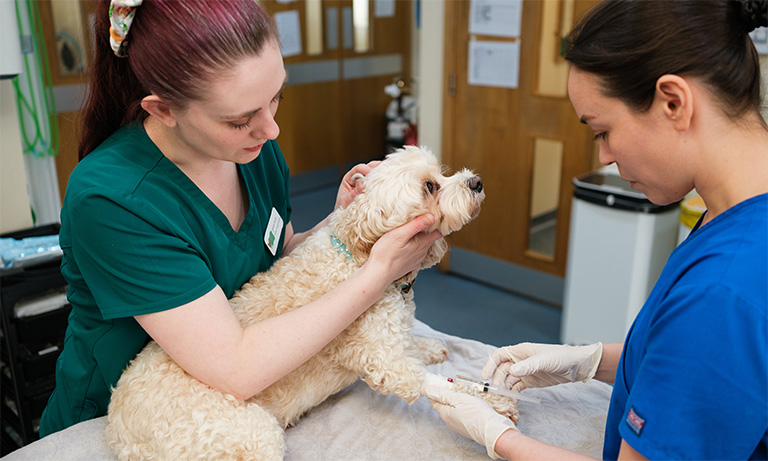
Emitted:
<point x="475" y="184"/>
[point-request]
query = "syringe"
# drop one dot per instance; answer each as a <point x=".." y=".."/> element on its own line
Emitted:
<point x="483" y="386"/>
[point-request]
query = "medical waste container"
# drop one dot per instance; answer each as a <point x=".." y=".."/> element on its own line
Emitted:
<point x="619" y="242"/>
<point x="691" y="209"/>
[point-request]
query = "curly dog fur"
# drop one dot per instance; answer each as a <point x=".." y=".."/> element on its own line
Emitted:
<point x="158" y="411"/>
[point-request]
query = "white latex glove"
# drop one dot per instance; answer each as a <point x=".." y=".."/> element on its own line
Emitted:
<point x="540" y="365"/>
<point x="470" y="416"/>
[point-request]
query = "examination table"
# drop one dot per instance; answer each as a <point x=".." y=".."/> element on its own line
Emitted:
<point x="359" y="424"/>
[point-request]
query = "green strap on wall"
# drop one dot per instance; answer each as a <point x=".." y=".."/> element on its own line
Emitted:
<point x="34" y="88"/>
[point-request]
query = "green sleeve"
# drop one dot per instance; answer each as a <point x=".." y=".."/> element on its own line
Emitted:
<point x="132" y="260"/>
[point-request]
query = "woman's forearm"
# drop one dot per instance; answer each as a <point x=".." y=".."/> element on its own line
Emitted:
<point x="274" y="347"/>
<point x="205" y="338"/>
<point x="512" y="445"/>
<point x="609" y="362"/>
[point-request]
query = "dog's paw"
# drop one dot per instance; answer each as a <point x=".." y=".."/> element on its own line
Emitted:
<point x="505" y="406"/>
<point x="430" y="350"/>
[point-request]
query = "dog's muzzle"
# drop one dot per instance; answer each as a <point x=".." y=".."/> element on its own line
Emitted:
<point x="475" y="184"/>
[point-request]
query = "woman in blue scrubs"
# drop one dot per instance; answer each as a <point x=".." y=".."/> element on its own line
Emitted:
<point x="672" y="92"/>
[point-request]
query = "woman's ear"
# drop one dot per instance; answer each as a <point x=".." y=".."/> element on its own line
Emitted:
<point x="676" y="99"/>
<point x="159" y="109"/>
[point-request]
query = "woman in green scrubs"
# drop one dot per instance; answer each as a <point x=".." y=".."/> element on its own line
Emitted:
<point x="181" y="195"/>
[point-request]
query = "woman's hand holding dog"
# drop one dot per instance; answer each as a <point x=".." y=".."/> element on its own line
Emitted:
<point x="348" y="190"/>
<point x="402" y="250"/>
<point x="351" y="186"/>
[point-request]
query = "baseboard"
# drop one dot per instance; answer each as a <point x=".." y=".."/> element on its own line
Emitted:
<point x="316" y="179"/>
<point x="302" y="183"/>
<point x="542" y="287"/>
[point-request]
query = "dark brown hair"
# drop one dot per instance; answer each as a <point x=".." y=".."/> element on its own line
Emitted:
<point x="173" y="48"/>
<point x="629" y="44"/>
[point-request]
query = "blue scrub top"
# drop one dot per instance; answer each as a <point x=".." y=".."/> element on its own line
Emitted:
<point x="692" y="382"/>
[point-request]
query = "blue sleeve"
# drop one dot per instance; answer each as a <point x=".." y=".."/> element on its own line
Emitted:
<point x="690" y="408"/>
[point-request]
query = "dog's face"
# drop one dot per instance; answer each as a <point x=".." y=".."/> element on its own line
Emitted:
<point x="408" y="184"/>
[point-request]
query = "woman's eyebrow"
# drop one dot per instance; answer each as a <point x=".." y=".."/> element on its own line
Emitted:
<point x="252" y="112"/>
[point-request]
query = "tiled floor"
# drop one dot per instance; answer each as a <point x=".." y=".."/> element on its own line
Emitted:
<point x="454" y="304"/>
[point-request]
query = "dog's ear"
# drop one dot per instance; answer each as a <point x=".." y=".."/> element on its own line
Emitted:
<point x="359" y="226"/>
<point x="356" y="178"/>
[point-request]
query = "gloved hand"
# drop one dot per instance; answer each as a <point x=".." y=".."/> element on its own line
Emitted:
<point x="434" y="380"/>
<point x="470" y="416"/>
<point x="539" y="365"/>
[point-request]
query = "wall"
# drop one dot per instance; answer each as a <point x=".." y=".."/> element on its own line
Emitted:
<point x="428" y="72"/>
<point x="428" y="88"/>
<point x="15" y="212"/>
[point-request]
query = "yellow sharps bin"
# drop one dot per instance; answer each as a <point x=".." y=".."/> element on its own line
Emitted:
<point x="691" y="210"/>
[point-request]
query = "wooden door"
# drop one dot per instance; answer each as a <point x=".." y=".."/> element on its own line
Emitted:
<point x="525" y="142"/>
<point x="310" y="135"/>
<point x="333" y="111"/>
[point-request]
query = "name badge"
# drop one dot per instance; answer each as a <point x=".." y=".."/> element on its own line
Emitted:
<point x="274" y="231"/>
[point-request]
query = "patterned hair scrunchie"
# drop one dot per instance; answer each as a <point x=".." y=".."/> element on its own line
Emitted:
<point x="121" y="13"/>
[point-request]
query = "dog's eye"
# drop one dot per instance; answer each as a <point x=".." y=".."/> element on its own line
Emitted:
<point x="432" y="187"/>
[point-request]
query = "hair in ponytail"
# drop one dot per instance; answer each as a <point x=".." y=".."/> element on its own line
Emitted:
<point x="629" y="44"/>
<point x="753" y="13"/>
<point x="174" y="48"/>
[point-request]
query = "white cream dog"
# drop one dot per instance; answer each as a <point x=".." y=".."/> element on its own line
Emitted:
<point x="158" y="411"/>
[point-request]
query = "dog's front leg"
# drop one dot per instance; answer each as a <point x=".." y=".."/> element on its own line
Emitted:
<point x="505" y="406"/>
<point x="403" y="373"/>
<point x="401" y="376"/>
<point x="381" y="348"/>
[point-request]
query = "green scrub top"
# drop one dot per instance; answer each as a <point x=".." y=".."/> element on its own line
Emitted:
<point x="138" y="237"/>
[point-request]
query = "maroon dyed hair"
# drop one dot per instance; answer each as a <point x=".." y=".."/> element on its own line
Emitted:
<point x="173" y="48"/>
